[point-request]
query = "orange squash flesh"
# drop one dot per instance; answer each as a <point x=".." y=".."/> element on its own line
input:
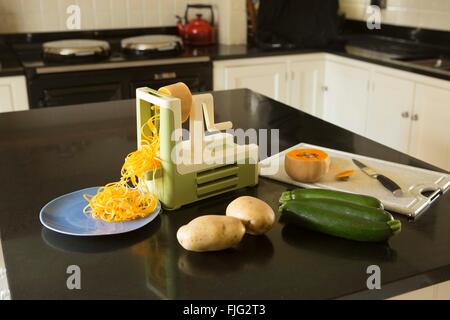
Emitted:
<point x="307" y="165"/>
<point x="182" y="92"/>
<point x="344" y="176"/>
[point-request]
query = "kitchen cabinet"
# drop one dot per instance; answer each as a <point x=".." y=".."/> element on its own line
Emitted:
<point x="265" y="78"/>
<point x="443" y="291"/>
<point x="346" y="96"/>
<point x="306" y="86"/>
<point x="391" y="101"/>
<point x="4" y="292"/>
<point x="296" y="80"/>
<point x="430" y="133"/>
<point x="439" y="291"/>
<point x="428" y="293"/>
<point x="13" y="94"/>
<point x="308" y="82"/>
<point x="403" y="110"/>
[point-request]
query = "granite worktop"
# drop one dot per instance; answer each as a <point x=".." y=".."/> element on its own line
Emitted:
<point x="53" y="151"/>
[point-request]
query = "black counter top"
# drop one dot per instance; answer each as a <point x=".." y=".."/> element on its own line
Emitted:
<point x="349" y="47"/>
<point x="53" y="151"/>
<point x="229" y="52"/>
<point x="9" y="64"/>
<point x="363" y="47"/>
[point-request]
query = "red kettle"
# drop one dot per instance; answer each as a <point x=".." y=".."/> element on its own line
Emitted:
<point x="199" y="31"/>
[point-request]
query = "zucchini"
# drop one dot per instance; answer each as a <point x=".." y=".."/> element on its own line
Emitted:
<point x="336" y="222"/>
<point x="350" y="209"/>
<point x="300" y="194"/>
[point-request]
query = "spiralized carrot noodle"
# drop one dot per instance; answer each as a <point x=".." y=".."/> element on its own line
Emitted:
<point x="129" y="198"/>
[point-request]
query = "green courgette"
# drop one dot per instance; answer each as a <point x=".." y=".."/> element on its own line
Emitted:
<point x="301" y="194"/>
<point x="336" y="222"/>
<point x="350" y="209"/>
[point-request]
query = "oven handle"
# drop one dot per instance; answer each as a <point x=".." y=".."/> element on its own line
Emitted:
<point x="119" y="65"/>
<point x="165" y="75"/>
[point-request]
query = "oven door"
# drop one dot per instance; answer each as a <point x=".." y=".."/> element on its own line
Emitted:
<point x="197" y="76"/>
<point x="60" y="89"/>
<point x="68" y="88"/>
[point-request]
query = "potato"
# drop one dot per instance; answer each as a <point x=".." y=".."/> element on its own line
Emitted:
<point x="211" y="233"/>
<point x="256" y="215"/>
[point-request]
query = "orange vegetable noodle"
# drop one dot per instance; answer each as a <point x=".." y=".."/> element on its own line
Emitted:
<point x="130" y="198"/>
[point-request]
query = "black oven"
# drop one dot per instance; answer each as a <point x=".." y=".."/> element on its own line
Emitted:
<point x="77" y="84"/>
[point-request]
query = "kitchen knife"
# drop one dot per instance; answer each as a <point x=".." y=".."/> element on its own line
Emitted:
<point x="385" y="181"/>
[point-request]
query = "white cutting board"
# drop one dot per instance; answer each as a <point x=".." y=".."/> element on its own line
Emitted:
<point x="412" y="180"/>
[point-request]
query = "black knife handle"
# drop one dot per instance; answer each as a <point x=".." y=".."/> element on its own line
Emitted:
<point x="388" y="183"/>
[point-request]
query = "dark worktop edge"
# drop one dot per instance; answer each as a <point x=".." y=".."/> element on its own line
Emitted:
<point x="267" y="54"/>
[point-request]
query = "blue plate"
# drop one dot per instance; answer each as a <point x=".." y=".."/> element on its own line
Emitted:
<point x="65" y="215"/>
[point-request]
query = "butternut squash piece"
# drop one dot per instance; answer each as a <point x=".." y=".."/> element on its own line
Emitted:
<point x="307" y="165"/>
<point x="345" y="176"/>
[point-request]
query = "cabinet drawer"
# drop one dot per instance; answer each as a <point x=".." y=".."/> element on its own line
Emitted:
<point x="13" y="94"/>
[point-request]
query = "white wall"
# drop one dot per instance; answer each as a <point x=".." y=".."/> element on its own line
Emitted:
<point x="232" y="21"/>
<point x="50" y="15"/>
<point x="429" y="14"/>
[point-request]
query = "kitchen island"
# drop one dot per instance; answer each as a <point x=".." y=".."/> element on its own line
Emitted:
<point x="53" y="151"/>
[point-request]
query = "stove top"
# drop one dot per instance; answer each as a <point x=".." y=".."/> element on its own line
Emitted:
<point x="31" y="55"/>
<point x="134" y="46"/>
<point x="150" y="44"/>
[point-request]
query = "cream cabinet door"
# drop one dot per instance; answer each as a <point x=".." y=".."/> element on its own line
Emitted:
<point x="4" y="290"/>
<point x="430" y="134"/>
<point x="389" y="111"/>
<point x="346" y="96"/>
<point x="428" y="293"/>
<point x="13" y="94"/>
<point x="266" y="78"/>
<point x="443" y="291"/>
<point x="306" y="87"/>
<point x="439" y="291"/>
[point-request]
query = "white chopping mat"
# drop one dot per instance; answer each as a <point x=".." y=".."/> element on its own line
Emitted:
<point x="413" y="180"/>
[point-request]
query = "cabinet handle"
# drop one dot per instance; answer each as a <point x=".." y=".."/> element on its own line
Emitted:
<point x="325" y="88"/>
<point x="415" y="117"/>
<point x="405" y="114"/>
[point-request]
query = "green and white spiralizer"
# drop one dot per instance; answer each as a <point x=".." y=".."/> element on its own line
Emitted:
<point x="202" y="166"/>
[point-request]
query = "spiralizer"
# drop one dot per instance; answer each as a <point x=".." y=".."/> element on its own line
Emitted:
<point x="199" y="165"/>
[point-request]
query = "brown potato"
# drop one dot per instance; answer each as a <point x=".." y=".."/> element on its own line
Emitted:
<point x="211" y="233"/>
<point x="256" y="215"/>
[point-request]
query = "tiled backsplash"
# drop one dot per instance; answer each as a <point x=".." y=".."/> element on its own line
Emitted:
<point x="429" y="14"/>
<point x="51" y="15"/>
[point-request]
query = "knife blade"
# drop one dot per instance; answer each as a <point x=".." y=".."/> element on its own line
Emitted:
<point x="385" y="181"/>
